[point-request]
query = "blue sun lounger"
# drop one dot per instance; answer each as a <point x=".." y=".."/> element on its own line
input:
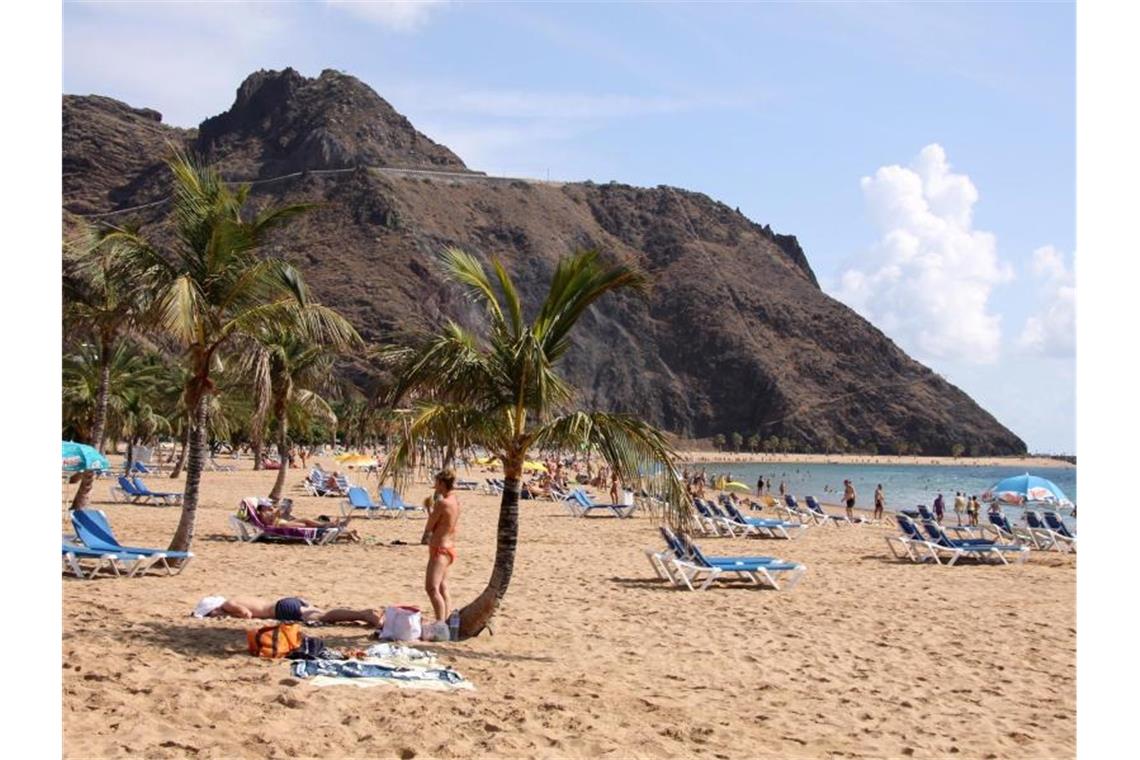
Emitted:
<point x="763" y="526"/>
<point x="1003" y="529"/>
<point x="95" y="532"/>
<point x="394" y="503"/>
<point x="358" y="498"/>
<point x="166" y="497"/>
<point x="911" y="542"/>
<point x="755" y="571"/>
<point x="980" y="548"/>
<point x="1057" y="534"/>
<point x="587" y="504"/>
<point x="74" y="555"/>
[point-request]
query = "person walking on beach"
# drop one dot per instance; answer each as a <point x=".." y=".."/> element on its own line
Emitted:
<point x="760" y="486"/>
<point x="880" y="502"/>
<point x="939" y="509"/>
<point x="959" y="505"/>
<point x="849" y="498"/>
<point x="439" y="535"/>
<point x="614" y="489"/>
<point x="783" y="490"/>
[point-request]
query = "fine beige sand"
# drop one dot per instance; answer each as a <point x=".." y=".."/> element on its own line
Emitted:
<point x="591" y="655"/>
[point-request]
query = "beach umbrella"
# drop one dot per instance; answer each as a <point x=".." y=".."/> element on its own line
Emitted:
<point x="486" y="460"/>
<point x="736" y="485"/>
<point x="1021" y="489"/>
<point x="357" y="460"/>
<point x="534" y="466"/>
<point x="79" y="457"/>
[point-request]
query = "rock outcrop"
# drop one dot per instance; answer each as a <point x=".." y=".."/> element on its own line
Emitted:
<point x="734" y="334"/>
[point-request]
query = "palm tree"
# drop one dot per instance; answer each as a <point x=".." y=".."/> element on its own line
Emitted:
<point x="296" y="370"/>
<point x="212" y="285"/>
<point x="501" y="391"/>
<point x="104" y="299"/>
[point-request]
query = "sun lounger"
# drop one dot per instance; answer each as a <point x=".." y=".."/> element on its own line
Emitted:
<point x="766" y="527"/>
<point x="1054" y="523"/>
<point x="164" y="496"/>
<point x="911" y="545"/>
<point x="975" y="548"/>
<point x="357" y="499"/>
<point x="913" y="541"/>
<point x="820" y="515"/>
<point x="74" y="555"/>
<point x="248" y="526"/>
<point x="394" y="503"/>
<point x="94" y="530"/>
<point x="756" y="571"/>
<point x="1001" y="527"/>
<point x="1052" y="538"/>
<point x="587" y="505"/>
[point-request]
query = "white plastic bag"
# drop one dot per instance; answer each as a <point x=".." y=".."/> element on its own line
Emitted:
<point x="437" y="631"/>
<point x="401" y="624"/>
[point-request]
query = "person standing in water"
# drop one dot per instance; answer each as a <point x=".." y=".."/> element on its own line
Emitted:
<point x="959" y="505"/>
<point x="849" y="498"/>
<point x="880" y="502"/>
<point x="439" y="535"/>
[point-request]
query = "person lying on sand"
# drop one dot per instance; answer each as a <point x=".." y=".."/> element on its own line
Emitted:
<point x="289" y="609"/>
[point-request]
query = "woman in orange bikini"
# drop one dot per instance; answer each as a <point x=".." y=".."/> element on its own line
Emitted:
<point x="439" y="535"/>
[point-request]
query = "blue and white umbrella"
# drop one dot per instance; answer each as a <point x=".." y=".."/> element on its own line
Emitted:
<point x="1024" y="489"/>
<point x="79" y="457"/>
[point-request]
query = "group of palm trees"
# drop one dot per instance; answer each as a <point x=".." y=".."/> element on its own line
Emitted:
<point x="195" y="330"/>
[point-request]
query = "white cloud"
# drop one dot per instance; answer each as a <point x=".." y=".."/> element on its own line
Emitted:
<point x="398" y="15"/>
<point x="1051" y="331"/>
<point x="928" y="279"/>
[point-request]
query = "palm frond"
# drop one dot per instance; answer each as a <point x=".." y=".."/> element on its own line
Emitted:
<point x="634" y="449"/>
<point x="466" y="270"/>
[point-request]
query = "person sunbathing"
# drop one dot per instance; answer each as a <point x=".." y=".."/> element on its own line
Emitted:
<point x="289" y="609"/>
<point x="271" y="516"/>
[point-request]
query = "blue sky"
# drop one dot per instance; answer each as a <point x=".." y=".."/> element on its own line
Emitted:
<point x="923" y="154"/>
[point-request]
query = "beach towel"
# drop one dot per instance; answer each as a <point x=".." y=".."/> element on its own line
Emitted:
<point x="384" y="665"/>
<point x="370" y="672"/>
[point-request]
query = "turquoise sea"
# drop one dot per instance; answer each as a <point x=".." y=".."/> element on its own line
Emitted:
<point x="905" y="486"/>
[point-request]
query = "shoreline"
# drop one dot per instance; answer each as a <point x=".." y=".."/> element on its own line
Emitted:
<point x="722" y="457"/>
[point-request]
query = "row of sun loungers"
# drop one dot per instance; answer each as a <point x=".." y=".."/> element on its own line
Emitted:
<point x="98" y="551"/>
<point x="390" y="504"/>
<point x="937" y="545"/>
<point x="726" y="520"/>
<point x="683" y="564"/>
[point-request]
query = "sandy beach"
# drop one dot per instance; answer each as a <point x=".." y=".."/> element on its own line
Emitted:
<point x="591" y="655"/>
<point x="709" y="455"/>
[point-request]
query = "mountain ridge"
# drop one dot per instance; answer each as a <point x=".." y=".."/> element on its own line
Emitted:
<point x="735" y="334"/>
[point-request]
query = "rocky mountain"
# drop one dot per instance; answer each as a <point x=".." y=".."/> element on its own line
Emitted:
<point x="734" y="334"/>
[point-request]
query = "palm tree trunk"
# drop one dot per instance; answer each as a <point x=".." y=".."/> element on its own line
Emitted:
<point x="184" y="535"/>
<point x="83" y="493"/>
<point x="474" y="617"/>
<point x="182" y="454"/>
<point x="130" y="453"/>
<point x="257" y="453"/>
<point x="282" y="454"/>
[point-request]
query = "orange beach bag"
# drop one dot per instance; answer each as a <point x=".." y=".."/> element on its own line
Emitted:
<point x="274" y="640"/>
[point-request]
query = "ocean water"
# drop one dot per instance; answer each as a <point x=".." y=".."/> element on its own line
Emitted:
<point x="905" y="486"/>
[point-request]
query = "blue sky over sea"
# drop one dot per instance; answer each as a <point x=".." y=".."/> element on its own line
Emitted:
<point x="924" y="154"/>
